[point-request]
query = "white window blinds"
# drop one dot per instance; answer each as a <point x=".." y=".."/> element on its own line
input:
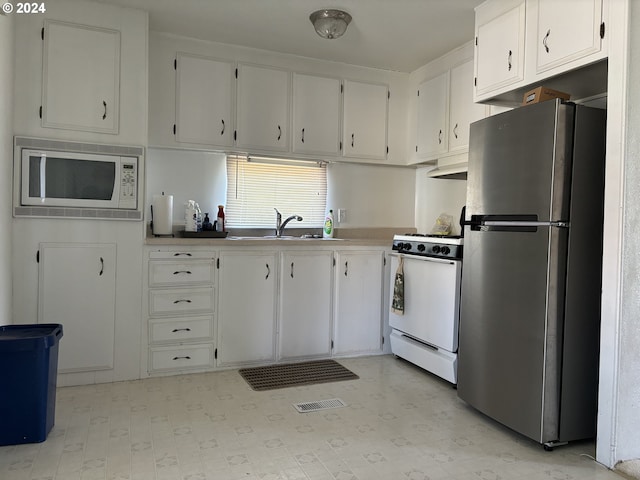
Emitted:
<point x="256" y="186"/>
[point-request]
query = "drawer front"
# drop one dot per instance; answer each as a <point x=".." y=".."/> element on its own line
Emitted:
<point x="182" y="255"/>
<point x="180" y="301"/>
<point x="181" y="273"/>
<point x="172" y="358"/>
<point x="184" y="329"/>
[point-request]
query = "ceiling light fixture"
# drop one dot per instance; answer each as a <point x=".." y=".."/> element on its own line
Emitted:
<point x="330" y="23"/>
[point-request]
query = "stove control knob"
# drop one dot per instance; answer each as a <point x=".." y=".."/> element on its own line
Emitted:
<point x="435" y="249"/>
<point x="421" y="248"/>
<point x="445" y="250"/>
<point x="407" y="246"/>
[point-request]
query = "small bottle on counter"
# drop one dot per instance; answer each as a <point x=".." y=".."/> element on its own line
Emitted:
<point x="220" y="220"/>
<point x="327" y="231"/>
<point x="206" y="223"/>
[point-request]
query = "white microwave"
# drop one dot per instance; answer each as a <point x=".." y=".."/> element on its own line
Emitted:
<point x="52" y="178"/>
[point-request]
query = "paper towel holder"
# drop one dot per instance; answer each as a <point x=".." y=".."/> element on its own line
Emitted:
<point x="151" y="226"/>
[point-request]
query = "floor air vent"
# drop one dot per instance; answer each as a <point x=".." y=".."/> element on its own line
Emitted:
<point x="319" y="405"/>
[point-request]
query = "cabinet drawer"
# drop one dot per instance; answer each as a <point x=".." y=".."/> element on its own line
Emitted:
<point x="172" y="358"/>
<point x="184" y="300"/>
<point x="182" y="255"/>
<point x="181" y="273"/>
<point x="185" y="329"/>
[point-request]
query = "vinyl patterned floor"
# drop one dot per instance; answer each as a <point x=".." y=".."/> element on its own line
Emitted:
<point x="400" y="423"/>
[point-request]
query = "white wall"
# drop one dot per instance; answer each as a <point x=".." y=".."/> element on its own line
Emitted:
<point x="374" y="196"/>
<point x="187" y="175"/>
<point x="627" y="423"/>
<point x="435" y="196"/>
<point x="6" y="169"/>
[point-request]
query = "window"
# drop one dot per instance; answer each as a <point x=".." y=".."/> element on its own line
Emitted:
<point x="255" y="186"/>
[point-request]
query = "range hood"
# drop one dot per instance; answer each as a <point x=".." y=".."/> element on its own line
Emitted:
<point x="450" y="168"/>
<point x="455" y="171"/>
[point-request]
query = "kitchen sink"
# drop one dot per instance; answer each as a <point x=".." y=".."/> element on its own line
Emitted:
<point x="283" y="237"/>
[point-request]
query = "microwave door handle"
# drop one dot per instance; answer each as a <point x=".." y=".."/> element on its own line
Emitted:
<point x="43" y="176"/>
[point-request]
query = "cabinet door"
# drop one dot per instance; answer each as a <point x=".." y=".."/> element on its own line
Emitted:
<point x="316" y="114"/>
<point x="364" y="133"/>
<point x="305" y="304"/>
<point x="500" y="50"/>
<point x="358" y="306"/>
<point x="204" y="94"/>
<point x="77" y="285"/>
<point x="263" y="108"/>
<point x="433" y="112"/>
<point x="567" y="30"/>
<point x="462" y="110"/>
<point x="81" y="77"/>
<point x="246" y="307"/>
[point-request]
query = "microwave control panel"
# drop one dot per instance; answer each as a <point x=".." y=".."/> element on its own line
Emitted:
<point x="128" y="183"/>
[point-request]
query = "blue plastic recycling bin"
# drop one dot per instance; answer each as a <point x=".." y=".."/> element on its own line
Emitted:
<point x="28" y="371"/>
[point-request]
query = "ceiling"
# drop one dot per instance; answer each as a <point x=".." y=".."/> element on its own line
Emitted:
<point x="398" y="35"/>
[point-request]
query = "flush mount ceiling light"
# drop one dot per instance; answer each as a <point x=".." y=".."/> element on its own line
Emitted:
<point x="330" y="23"/>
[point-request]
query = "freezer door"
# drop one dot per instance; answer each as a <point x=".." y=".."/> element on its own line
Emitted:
<point x="520" y="163"/>
<point x="510" y="326"/>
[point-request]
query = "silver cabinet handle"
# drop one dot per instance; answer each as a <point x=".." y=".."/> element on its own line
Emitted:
<point x="104" y="104"/>
<point x="180" y="330"/>
<point x="101" y="266"/>
<point x="182" y="300"/>
<point x="544" y="41"/>
<point x="178" y="272"/>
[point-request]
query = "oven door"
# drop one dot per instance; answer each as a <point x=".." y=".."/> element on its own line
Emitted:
<point x="68" y="179"/>
<point x="431" y="300"/>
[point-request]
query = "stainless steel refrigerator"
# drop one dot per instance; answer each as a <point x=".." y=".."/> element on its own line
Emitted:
<point x="531" y="276"/>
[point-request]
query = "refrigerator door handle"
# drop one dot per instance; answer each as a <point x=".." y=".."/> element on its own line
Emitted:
<point x="498" y="223"/>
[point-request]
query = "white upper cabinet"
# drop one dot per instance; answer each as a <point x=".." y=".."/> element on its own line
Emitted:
<point x="522" y="43"/>
<point x="81" y="77"/>
<point x="316" y="115"/>
<point x="365" y="120"/>
<point x="500" y="38"/>
<point x="204" y="100"/>
<point x="462" y="110"/>
<point x="433" y="117"/>
<point x="263" y="108"/>
<point x="567" y="30"/>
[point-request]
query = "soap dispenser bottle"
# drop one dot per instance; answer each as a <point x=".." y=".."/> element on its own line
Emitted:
<point x="327" y="231"/>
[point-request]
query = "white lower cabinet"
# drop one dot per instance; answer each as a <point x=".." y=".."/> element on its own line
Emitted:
<point x="305" y="304"/>
<point x="77" y="289"/>
<point x="247" y="307"/>
<point x="181" y="310"/>
<point x="358" y="302"/>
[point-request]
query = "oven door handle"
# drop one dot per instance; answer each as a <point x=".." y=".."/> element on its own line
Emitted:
<point x="451" y="261"/>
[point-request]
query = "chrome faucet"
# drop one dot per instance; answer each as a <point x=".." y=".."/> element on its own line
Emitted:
<point x="280" y="224"/>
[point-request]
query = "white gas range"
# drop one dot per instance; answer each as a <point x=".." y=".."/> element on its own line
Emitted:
<point x="425" y="332"/>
